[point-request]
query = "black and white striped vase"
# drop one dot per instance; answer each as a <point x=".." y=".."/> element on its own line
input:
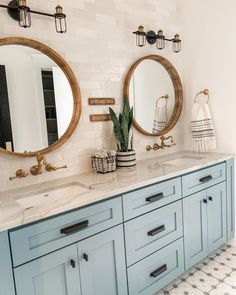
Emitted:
<point x="125" y="159"/>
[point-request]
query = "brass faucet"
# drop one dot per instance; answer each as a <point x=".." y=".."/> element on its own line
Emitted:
<point x="162" y="145"/>
<point x="42" y="162"/>
<point x="20" y="173"/>
<point x="38" y="168"/>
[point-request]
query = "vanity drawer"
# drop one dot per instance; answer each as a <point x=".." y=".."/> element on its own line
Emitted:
<point x="202" y="179"/>
<point x="148" y="233"/>
<point x="150" y="198"/>
<point x="156" y="271"/>
<point x="38" y="239"/>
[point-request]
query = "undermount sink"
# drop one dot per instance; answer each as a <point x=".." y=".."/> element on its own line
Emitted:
<point x="53" y="194"/>
<point x="182" y="160"/>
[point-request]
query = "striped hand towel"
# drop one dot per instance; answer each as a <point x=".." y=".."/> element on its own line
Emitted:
<point x="160" y="119"/>
<point x="202" y="128"/>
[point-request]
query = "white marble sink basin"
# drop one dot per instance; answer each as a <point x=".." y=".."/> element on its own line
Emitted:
<point x="50" y="195"/>
<point x="182" y="160"/>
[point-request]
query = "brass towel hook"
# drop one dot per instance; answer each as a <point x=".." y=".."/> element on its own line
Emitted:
<point x="166" y="97"/>
<point x="204" y="92"/>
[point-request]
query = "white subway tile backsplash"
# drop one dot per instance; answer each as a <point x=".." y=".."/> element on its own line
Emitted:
<point x="100" y="48"/>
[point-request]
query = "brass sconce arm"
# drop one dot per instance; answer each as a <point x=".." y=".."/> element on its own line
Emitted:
<point x="20" y="173"/>
<point x="162" y="145"/>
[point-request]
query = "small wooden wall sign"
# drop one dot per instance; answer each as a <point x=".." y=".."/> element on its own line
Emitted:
<point x="100" y="118"/>
<point x="101" y="101"/>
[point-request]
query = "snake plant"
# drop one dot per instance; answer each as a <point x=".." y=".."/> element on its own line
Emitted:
<point x="122" y="127"/>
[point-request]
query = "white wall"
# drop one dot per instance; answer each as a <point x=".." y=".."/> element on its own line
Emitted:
<point x="63" y="99"/>
<point x="100" y="47"/>
<point x="23" y="97"/>
<point x="209" y="50"/>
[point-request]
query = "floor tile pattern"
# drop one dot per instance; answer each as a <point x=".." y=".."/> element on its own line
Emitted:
<point x="215" y="275"/>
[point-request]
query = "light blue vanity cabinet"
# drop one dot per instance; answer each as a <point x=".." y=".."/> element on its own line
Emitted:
<point x="150" y="232"/>
<point x="93" y="266"/>
<point x="102" y="263"/>
<point x="6" y="275"/>
<point x="195" y="228"/>
<point x="204" y="223"/>
<point x="216" y="216"/>
<point x="55" y="273"/>
<point x="153" y="236"/>
<point x="132" y="244"/>
<point x="40" y="238"/>
<point x="230" y="199"/>
<point x="151" y="274"/>
<point x="205" y="213"/>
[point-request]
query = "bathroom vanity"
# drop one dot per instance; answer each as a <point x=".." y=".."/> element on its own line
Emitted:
<point x="129" y="232"/>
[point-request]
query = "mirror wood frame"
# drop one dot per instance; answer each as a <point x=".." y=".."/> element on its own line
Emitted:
<point x="178" y="89"/>
<point x="77" y="106"/>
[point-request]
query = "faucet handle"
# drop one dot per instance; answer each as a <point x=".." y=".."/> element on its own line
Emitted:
<point x="20" y="173"/>
<point x="50" y="167"/>
<point x="62" y="167"/>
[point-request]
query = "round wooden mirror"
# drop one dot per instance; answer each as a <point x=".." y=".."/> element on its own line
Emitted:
<point x="40" y="101"/>
<point x="154" y="89"/>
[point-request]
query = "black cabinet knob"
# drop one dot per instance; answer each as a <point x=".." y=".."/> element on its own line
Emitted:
<point x="85" y="256"/>
<point x="205" y="201"/>
<point x="72" y="263"/>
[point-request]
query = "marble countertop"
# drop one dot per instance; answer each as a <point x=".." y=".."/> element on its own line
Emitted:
<point x="16" y="207"/>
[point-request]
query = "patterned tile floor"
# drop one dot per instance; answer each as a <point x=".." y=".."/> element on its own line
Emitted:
<point x="215" y="275"/>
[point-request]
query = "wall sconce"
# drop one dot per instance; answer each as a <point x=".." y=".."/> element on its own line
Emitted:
<point x="151" y="37"/>
<point x="19" y="11"/>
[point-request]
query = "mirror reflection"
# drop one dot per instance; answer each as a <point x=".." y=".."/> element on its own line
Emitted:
<point x="152" y="94"/>
<point x="36" y="101"/>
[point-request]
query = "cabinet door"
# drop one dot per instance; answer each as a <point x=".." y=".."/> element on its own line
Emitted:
<point x="6" y="274"/>
<point x="216" y="196"/>
<point x="195" y="228"/>
<point x="56" y="273"/>
<point x="230" y="200"/>
<point x="102" y="263"/>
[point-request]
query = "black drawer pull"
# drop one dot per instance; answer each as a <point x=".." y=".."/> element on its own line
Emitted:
<point x="205" y="201"/>
<point x="158" y="271"/>
<point x="210" y="199"/>
<point x="155" y="198"/>
<point x="156" y="231"/>
<point x="75" y="228"/>
<point x="205" y="179"/>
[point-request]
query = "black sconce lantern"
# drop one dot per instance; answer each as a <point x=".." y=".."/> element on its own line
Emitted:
<point x="60" y="20"/>
<point x="151" y="37"/>
<point x="19" y="11"/>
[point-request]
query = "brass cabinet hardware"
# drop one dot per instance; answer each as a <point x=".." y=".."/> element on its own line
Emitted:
<point x="20" y="173"/>
<point x="50" y="167"/>
<point x="162" y="145"/>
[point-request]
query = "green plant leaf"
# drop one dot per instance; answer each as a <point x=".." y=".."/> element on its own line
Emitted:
<point x="117" y="128"/>
<point x="131" y="114"/>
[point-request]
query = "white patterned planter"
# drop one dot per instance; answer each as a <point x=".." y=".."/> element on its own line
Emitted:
<point x="126" y="159"/>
